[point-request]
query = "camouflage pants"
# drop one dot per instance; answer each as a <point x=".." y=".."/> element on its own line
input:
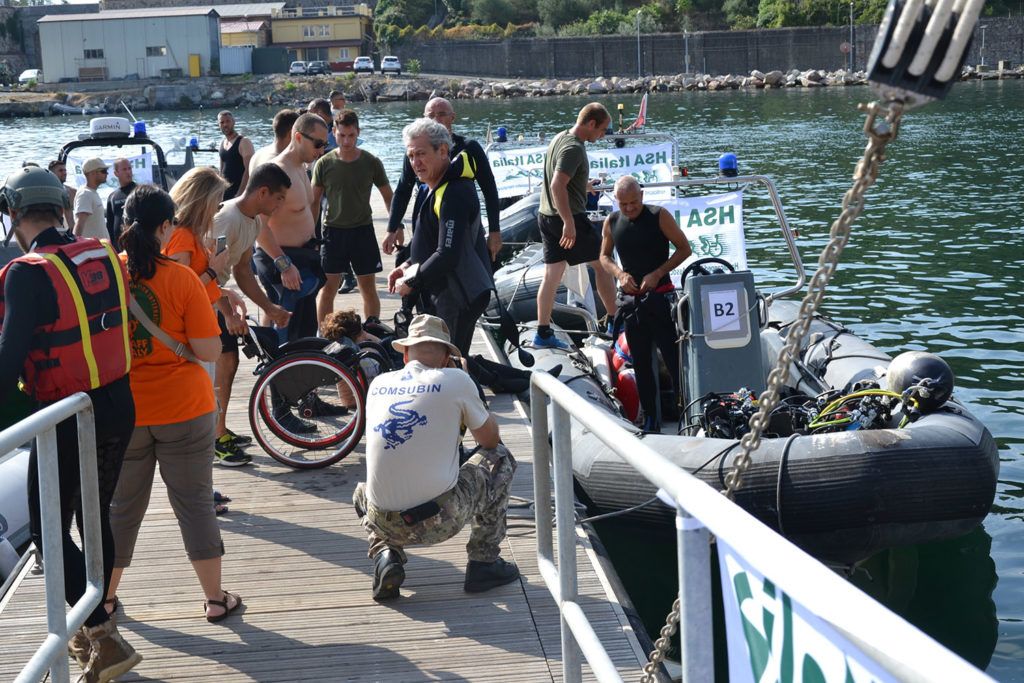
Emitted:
<point x="480" y="497"/>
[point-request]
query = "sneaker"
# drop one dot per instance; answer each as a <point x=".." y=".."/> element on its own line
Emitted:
<point x="111" y="655"/>
<point x="388" y="575"/>
<point x="551" y="342"/>
<point x="290" y="423"/>
<point x="483" y="576"/>
<point x="226" y="453"/>
<point x="347" y="284"/>
<point x="240" y="439"/>
<point x="317" y="407"/>
<point x="80" y="648"/>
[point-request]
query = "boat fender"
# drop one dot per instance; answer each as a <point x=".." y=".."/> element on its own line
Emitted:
<point x="621" y="356"/>
<point x="627" y="393"/>
<point x="925" y="375"/>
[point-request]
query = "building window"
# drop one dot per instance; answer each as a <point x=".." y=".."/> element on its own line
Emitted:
<point x="156" y="51"/>
<point x="94" y="54"/>
<point x="316" y="31"/>
<point x="316" y="53"/>
<point x="343" y="54"/>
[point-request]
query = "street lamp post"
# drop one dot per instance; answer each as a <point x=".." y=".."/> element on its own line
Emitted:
<point x="686" y="50"/>
<point x="983" y="27"/>
<point x="851" y="36"/>
<point x="640" y="63"/>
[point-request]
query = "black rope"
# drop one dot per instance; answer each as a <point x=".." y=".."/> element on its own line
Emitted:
<point x="778" y="481"/>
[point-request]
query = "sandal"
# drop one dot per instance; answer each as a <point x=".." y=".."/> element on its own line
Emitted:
<point x="219" y="497"/>
<point x="222" y="603"/>
<point x="220" y="509"/>
<point x="115" y="605"/>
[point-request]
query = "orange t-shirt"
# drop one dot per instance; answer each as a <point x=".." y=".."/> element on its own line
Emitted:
<point x="167" y="388"/>
<point x="183" y="240"/>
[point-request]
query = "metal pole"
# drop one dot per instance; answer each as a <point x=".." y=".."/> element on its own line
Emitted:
<point x="696" y="635"/>
<point x="53" y="546"/>
<point x="686" y="49"/>
<point x="851" y="35"/>
<point x="639" y="71"/>
<point x="565" y="516"/>
<point x="983" y="44"/>
<point x="541" y="471"/>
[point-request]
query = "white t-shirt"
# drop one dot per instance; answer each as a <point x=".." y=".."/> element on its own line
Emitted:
<point x="240" y="230"/>
<point x="412" y="433"/>
<point x="88" y="201"/>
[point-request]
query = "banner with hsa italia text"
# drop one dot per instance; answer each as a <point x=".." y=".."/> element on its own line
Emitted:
<point x="713" y="226"/>
<point x="520" y="171"/>
<point x="142" y="167"/>
<point x="772" y="638"/>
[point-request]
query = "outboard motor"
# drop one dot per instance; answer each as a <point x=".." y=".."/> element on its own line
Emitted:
<point x="723" y="350"/>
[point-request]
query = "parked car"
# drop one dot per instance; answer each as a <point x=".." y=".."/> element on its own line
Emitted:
<point x="31" y="75"/>
<point x="363" y="65"/>
<point x="318" y="67"/>
<point x="297" y="69"/>
<point x="391" y="64"/>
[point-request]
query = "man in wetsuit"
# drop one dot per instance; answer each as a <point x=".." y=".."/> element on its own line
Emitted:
<point x="50" y="296"/>
<point x="235" y="152"/>
<point x="287" y="261"/>
<point x="640" y="234"/>
<point x="440" y="110"/>
<point x="452" y="274"/>
<point x="117" y="198"/>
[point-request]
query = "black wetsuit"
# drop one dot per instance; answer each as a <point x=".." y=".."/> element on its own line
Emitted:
<point x="31" y="301"/>
<point x="643" y="248"/>
<point x="115" y="212"/>
<point x="454" y="279"/>
<point x="232" y="168"/>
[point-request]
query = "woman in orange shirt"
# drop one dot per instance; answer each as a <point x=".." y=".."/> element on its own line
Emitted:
<point x="174" y="401"/>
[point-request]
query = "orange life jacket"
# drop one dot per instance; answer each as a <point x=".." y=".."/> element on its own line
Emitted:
<point x="87" y="346"/>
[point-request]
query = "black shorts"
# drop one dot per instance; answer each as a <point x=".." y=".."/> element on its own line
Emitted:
<point x="356" y="246"/>
<point x="586" y="248"/>
<point x="228" y="341"/>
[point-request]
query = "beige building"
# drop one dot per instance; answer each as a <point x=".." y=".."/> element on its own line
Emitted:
<point x="334" y="34"/>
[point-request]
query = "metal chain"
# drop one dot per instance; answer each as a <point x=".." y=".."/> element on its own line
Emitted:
<point x="881" y="126"/>
<point x="662" y="644"/>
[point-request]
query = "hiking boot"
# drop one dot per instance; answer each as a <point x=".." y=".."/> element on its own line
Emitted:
<point x="240" y="439"/>
<point x="483" y="576"/>
<point x="348" y="283"/>
<point x="111" y="655"/>
<point x="290" y="423"/>
<point x="551" y="342"/>
<point x="80" y="648"/>
<point x="388" y="575"/>
<point x="226" y="453"/>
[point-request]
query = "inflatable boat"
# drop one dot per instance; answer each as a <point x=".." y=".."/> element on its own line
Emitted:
<point x="864" y="451"/>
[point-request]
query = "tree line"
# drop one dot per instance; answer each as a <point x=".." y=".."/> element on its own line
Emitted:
<point x="398" y="21"/>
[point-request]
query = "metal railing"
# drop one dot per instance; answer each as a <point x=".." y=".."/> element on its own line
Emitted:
<point x="52" y="654"/>
<point x="701" y="510"/>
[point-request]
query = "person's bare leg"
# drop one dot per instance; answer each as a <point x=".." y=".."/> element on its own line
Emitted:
<point x="546" y="294"/>
<point x="224" y="374"/>
<point x="368" y="290"/>
<point x="605" y="288"/>
<point x="208" y="573"/>
<point x="325" y="299"/>
<point x="115" y="581"/>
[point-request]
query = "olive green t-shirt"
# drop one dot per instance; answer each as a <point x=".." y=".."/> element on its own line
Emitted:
<point x="566" y="153"/>
<point x="347" y="186"/>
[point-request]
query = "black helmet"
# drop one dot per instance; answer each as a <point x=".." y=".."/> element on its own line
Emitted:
<point x="928" y="376"/>
<point x="32" y="186"/>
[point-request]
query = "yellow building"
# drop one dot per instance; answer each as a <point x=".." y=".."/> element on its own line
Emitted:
<point x="244" y="33"/>
<point x="333" y="34"/>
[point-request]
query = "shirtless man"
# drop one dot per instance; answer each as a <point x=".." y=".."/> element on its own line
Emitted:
<point x="60" y="169"/>
<point x="235" y="153"/>
<point x="283" y="122"/>
<point x="288" y="262"/>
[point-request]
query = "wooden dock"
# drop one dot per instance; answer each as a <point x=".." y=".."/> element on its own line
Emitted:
<point x="297" y="554"/>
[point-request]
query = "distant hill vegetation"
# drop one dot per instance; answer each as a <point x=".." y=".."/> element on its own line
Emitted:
<point x="398" y="21"/>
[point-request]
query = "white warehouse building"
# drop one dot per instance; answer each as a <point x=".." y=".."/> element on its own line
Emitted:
<point x="144" y="43"/>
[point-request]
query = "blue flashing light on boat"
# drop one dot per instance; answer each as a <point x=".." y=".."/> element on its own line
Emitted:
<point x="139" y="129"/>
<point x="728" y="166"/>
<point x="501" y="134"/>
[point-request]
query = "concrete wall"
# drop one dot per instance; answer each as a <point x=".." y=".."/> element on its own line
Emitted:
<point x="713" y="52"/>
<point x="124" y="43"/>
<point x="28" y="16"/>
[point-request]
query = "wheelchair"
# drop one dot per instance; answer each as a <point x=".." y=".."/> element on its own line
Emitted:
<point x="307" y="408"/>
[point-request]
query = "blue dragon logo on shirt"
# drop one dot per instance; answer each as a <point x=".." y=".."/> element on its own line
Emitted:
<point x="398" y="429"/>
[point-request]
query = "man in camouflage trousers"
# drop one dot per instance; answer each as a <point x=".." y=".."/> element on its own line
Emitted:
<point x="415" y="492"/>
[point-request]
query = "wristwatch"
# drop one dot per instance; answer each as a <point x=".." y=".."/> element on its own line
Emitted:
<point x="282" y="263"/>
<point x="212" y="273"/>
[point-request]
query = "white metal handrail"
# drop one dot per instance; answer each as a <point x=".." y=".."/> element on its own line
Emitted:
<point x="700" y="509"/>
<point x="52" y="654"/>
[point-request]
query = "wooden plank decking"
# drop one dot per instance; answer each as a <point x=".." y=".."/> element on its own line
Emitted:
<point x="297" y="555"/>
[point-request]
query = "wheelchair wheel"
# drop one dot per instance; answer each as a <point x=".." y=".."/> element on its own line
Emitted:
<point x="308" y="410"/>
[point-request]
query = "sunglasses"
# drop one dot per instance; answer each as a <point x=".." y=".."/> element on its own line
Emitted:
<point x="319" y="144"/>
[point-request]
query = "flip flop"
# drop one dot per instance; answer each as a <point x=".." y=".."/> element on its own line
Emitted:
<point x="222" y="603"/>
<point x="219" y="497"/>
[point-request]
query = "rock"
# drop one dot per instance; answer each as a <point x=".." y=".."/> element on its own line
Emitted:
<point x="773" y="78"/>
<point x="809" y="83"/>
<point x="217" y="95"/>
<point x="498" y="90"/>
<point x="597" y="88"/>
<point x="757" y="75"/>
<point x="714" y="85"/>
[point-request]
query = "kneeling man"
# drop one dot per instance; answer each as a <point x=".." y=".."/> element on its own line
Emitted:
<point x="415" y="492"/>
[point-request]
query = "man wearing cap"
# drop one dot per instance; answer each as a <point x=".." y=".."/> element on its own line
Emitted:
<point x="415" y="492"/>
<point x="90" y="220"/>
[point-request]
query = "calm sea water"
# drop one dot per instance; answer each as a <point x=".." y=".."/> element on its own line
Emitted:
<point x="935" y="263"/>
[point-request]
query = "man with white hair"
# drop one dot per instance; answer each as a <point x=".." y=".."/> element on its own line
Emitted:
<point x="452" y="275"/>
<point x="440" y="110"/>
<point x="640" y="234"/>
<point x="415" y="492"/>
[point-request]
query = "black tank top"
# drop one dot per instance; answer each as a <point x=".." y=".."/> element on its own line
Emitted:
<point x="231" y="167"/>
<point x="641" y="244"/>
